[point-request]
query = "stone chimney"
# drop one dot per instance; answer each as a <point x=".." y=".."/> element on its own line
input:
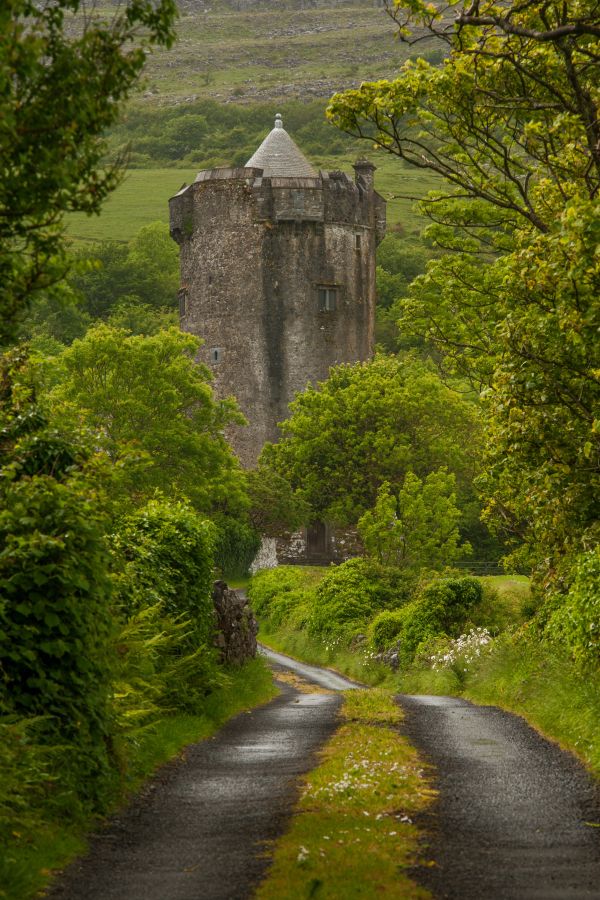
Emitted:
<point x="365" y="174"/>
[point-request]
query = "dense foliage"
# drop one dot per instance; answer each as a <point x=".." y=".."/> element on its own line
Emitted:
<point x="284" y="594"/>
<point x="511" y="122"/>
<point x="163" y="564"/>
<point x="274" y="506"/>
<point x="112" y="274"/>
<point x="418" y="528"/>
<point x="351" y="594"/>
<point x="165" y="552"/>
<point x="442" y="607"/>
<point x="399" y="261"/>
<point x="370" y="423"/>
<point x="361" y="601"/>
<point x="205" y="133"/>
<point x="575" y="623"/>
<point x="55" y="626"/>
<point x="65" y="71"/>
<point x="145" y="396"/>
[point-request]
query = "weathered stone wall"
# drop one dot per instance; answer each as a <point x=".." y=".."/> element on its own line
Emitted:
<point x="266" y="558"/>
<point x="254" y="253"/>
<point x="341" y="544"/>
<point x="235" y="623"/>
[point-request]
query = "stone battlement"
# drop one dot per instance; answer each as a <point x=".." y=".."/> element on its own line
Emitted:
<point x="331" y="197"/>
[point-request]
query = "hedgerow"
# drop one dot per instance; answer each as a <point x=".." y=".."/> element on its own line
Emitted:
<point x="167" y="554"/>
<point x="285" y="595"/>
<point x="55" y="624"/>
<point x="575" y="623"/>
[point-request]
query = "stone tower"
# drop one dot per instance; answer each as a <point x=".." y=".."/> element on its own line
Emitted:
<point x="277" y="277"/>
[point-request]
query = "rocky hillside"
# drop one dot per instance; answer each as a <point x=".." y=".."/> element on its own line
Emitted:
<point x="245" y="51"/>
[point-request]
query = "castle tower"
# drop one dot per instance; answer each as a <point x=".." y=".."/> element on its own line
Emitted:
<point x="277" y="277"/>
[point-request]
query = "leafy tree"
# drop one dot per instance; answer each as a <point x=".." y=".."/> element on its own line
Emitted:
<point x="418" y="528"/>
<point x="370" y="423"/>
<point x="511" y="122"/>
<point x="399" y="262"/>
<point x="55" y="313"/>
<point x="113" y="274"/>
<point x="141" y="318"/>
<point x="65" y="71"/>
<point x="274" y="507"/>
<point x="147" y="397"/>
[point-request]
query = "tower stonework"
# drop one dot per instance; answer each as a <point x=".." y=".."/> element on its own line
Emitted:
<point x="277" y="277"/>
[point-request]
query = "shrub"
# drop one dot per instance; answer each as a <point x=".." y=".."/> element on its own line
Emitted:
<point x="350" y="594"/>
<point x="285" y="594"/>
<point x="441" y="608"/>
<point x="386" y="627"/>
<point x="26" y="766"/>
<point x="236" y="545"/>
<point x="156" y="674"/>
<point x="452" y="599"/>
<point x="167" y="550"/>
<point x="576" y="621"/>
<point x="55" y="627"/>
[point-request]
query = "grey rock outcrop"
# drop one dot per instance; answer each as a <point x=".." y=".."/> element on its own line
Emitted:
<point x="390" y="657"/>
<point x="236" y="626"/>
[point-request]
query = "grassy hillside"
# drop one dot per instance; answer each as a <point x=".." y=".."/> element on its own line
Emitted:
<point x="275" y="50"/>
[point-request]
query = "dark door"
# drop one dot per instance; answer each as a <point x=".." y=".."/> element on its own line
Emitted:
<point x="316" y="539"/>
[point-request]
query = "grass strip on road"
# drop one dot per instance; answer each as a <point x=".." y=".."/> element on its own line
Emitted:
<point x="353" y="833"/>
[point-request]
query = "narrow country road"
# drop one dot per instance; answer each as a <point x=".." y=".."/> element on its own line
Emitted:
<point x="515" y="818"/>
<point x="201" y="830"/>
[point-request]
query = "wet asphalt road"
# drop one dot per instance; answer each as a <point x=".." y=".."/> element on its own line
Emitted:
<point x="326" y="678"/>
<point x="202" y="828"/>
<point x="510" y="822"/>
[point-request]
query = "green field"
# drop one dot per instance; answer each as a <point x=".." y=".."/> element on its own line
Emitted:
<point x="144" y="194"/>
<point x="142" y="197"/>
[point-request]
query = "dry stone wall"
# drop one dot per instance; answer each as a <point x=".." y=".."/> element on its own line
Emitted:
<point x="236" y="627"/>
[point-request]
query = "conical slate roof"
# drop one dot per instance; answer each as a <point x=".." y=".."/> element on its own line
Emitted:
<point x="279" y="157"/>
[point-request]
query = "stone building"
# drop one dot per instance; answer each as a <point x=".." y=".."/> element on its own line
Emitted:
<point x="277" y="277"/>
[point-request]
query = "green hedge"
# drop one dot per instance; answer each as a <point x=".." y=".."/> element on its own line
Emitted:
<point x="575" y="623"/>
<point x="167" y="553"/>
<point x="285" y="595"/>
<point x="55" y="624"/>
<point x="351" y="594"/>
